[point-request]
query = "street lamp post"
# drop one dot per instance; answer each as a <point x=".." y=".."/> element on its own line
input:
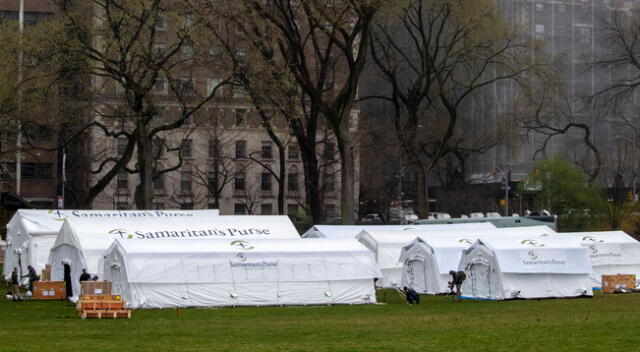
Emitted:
<point x="505" y="180"/>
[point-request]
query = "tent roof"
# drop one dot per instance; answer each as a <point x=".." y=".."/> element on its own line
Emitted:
<point x="600" y="237"/>
<point x="37" y="222"/>
<point x="350" y="231"/>
<point x="248" y="260"/>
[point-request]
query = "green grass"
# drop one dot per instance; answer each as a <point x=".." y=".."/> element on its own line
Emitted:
<point x="609" y="322"/>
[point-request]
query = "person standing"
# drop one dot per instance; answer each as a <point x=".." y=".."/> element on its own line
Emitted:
<point x="457" y="278"/>
<point x="33" y="277"/>
<point x="15" y="285"/>
<point x="85" y="276"/>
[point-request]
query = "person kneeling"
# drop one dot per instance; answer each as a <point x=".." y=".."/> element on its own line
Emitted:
<point x="411" y="295"/>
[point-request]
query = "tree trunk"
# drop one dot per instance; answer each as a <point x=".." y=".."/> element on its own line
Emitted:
<point x="423" y="192"/>
<point x="311" y="182"/>
<point x="347" y="177"/>
<point x="283" y="179"/>
<point x="144" y="190"/>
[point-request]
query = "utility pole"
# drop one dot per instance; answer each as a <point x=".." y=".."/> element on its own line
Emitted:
<point x="19" y="136"/>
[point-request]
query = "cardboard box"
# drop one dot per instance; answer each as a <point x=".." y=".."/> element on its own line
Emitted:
<point x="49" y="290"/>
<point x="610" y="283"/>
<point x="96" y="288"/>
<point x="46" y="273"/>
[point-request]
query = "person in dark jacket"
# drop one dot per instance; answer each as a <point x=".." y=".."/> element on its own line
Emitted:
<point x="33" y="277"/>
<point x="457" y="278"/>
<point x="85" y="276"/>
<point x="15" y="285"/>
<point x="411" y="295"/>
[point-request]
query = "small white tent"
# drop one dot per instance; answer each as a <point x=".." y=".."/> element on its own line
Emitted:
<point x="387" y="246"/>
<point x="32" y="232"/>
<point x="82" y="242"/>
<point x="251" y="272"/>
<point x="503" y="267"/>
<point x="611" y="252"/>
<point x="351" y="231"/>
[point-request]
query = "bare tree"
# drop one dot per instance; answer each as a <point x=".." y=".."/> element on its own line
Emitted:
<point x="434" y="56"/>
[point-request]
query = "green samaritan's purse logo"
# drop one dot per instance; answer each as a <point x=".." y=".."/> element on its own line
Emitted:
<point x="593" y="249"/>
<point x="591" y="239"/>
<point x="124" y="234"/>
<point x="465" y="240"/>
<point x="57" y="215"/>
<point x="244" y="245"/>
<point x="533" y="243"/>
<point x="241" y="257"/>
<point x="532" y="255"/>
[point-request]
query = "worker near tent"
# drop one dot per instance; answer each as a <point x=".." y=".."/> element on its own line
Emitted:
<point x="85" y="276"/>
<point x="411" y="295"/>
<point x="33" y="276"/>
<point x="457" y="278"/>
<point x="15" y="285"/>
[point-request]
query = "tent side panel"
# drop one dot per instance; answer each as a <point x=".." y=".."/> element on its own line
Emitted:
<point x="546" y="285"/>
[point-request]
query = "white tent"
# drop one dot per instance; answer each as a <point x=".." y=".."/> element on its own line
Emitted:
<point x="505" y="267"/>
<point x="32" y="232"/>
<point x="351" y="231"/>
<point x="387" y="245"/>
<point x="251" y="272"/>
<point x="82" y="242"/>
<point x="611" y="252"/>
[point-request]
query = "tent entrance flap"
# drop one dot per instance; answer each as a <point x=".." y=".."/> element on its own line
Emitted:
<point x="417" y="275"/>
<point x="480" y="279"/>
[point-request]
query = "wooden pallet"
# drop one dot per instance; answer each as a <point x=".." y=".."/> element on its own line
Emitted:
<point x="100" y="305"/>
<point x="105" y="314"/>
<point x="98" y="297"/>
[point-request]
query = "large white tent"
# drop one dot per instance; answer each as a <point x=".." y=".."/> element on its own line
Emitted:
<point x="507" y="267"/>
<point x="611" y="252"/>
<point x="387" y="245"/>
<point x="82" y="242"/>
<point x="351" y="231"/>
<point x="251" y="272"/>
<point x="32" y="232"/>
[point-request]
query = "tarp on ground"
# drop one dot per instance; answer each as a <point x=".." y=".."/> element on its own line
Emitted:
<point x="232" y="272"/>
<point x="32" y="232"/>
<point x="82" y="242"/>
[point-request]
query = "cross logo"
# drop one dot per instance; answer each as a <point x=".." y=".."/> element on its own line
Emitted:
<point x="244" y="245"/>
<point x="465" y="240"/>
<point x="241" y="257"/>
<point x="593" y="249"/>
<point x="124" y="234"/>
<point x="591" y="239"/>
<point x="533" y="243"/>
<point x="57" y="215"/>
<point x="532" y="255"/>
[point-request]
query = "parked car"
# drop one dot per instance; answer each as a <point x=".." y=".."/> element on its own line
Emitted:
<point x="372" y="219"/>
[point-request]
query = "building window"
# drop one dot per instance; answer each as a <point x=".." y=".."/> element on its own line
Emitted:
<point x="187" y="148"/>
<point x="122" y="180"/>
<point x="160" y="86"/>
<point x="539" y="7"/>
<point x="185" y="182"/>
<point x="292" y="182"/>
<point x="330" y="184"/>
<point x="160" y="24"/>
<point x="266" y="150"/>
<point x="562" y="8"/>
<point x="265" y="181"/>
<point x="329" y="151"/>
<point x="122" y="205"/>
<point x="292" y="209"/>
<point x="186" y="206"/>
<point x="158" y="117"/>
<point x="187" y="52"/>
<point x="539" y="28"/>
<point x="36" y="171"/>
<point x="266" y="209"/>
<point x="214" y="52"/>
<point x="293" y="151"/>
<point x="158" y="182"/>
<point x="188" y="20"/>
<point x="239" y="181"/>
<point x="212" y="206"/>
<point x="213" y="148"/>
<point x="186" y="83"/>
<point x="159" y="49"/>
<point x="212" y="180"/>
<point x="158" y="148"/>
<point x="122" y="145"/>
<point x="238" y="89"/>
<point x="239" y="209"/>
<point x="212" y="84"/>
<point x="241" y="117"/>
<point x="241" y="149"/>
<point x="158" y="206"/>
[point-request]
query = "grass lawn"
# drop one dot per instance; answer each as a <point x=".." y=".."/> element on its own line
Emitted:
<point x="610" y="322"/>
